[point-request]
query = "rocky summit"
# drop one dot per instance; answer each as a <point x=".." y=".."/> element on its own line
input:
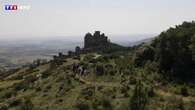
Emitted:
<point x="95" y="40"/>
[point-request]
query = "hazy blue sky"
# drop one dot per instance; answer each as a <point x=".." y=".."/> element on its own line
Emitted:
<point x="48" y="18"/>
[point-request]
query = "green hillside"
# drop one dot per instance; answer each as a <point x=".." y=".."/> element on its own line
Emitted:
<point x="173" y="50"/>
<point x="156" y="76"/>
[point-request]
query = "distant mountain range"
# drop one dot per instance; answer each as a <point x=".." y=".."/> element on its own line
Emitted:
<point x="131" y="40"/>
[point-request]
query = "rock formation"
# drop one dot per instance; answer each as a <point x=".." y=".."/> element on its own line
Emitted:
<point x="96" y="40"/>
<point x="92" y="43"/>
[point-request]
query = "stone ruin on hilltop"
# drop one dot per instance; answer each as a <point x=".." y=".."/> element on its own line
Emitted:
<point x="96" y="40"/>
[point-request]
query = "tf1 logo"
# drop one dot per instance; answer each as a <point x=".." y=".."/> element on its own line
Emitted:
<point x="11" y="7"/>
<point x="16" y="7"/>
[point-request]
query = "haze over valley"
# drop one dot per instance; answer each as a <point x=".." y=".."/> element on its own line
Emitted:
<point x="18" y="52"/>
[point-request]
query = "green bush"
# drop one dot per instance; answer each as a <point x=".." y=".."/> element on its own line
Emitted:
<point x="14" y="102"/>
<point x="151" y="92"/>
<point x="184" y="91"/>
<point x="100" y="70"/>
<point x="82" y="106"/>
<point x="88" y="57"/>
<point x="22" y="85"/>
<point x="8" y="93"/>
<point x="143" y="55"/>
<point x="27" y="104"/>
<point x="88" y="92"/>
<point x="102" y="103"/>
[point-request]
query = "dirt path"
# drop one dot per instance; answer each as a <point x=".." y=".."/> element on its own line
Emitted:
<point x="107" y="84"/>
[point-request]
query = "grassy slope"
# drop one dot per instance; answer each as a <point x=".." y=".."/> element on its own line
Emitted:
<point x="59" y="89"/>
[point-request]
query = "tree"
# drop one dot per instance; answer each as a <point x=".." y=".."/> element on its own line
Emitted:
<point x="174" y="49"/>
<point x="193" y="47"/>
<point x="143" y="55"/>
<point x="139" y="98"/>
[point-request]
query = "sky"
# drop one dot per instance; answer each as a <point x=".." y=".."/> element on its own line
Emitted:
<point x="70" y="18"/>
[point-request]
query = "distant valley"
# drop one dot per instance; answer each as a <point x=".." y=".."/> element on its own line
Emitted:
<point x="14" y="54"/>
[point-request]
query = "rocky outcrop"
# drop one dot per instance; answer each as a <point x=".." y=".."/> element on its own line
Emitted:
<point x="95" y="41"/>
<point x="92" y="43"/>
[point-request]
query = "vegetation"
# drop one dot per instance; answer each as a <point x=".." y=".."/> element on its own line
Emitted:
<point x="139" y="98"/>
<point x="174" y="51"/>
<point x="154" y="76"/>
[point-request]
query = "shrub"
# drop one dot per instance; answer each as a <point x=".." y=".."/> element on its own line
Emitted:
<point x="124" y="90"/>
<point x="151" y="92"/>
<point x="23" y="85"/>
<point x="27" y="105"/>
<point x="106" y="104"/>
<point x="87" y="92"/>
<point x="82" y="106"/>
<point x="99" y="70"/>
<point x="102" y="103"/>
<point x="132" y="80"/>
<point x="143" y="55"/>
<point x="184" y="91"/>
<point x="14" y="102"/>
<point x="7" y="93"/>
<point x="88" y="57"/>
<point x="139" y="98"/>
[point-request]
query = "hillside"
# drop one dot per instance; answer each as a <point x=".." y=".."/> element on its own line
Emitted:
<point x="173" y="50"/>
<point x="130" y="79"/>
